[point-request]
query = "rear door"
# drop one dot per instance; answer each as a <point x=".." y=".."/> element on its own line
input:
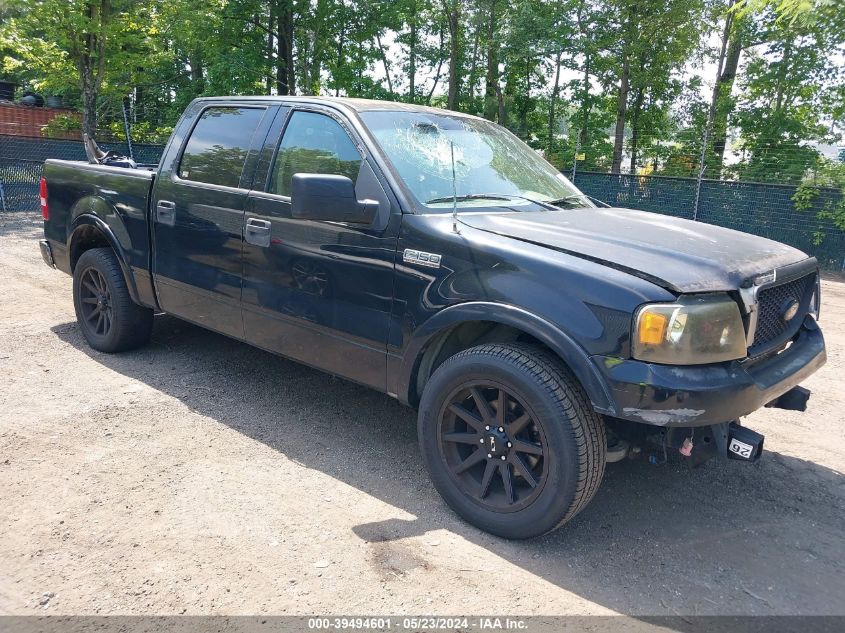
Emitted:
<point x="319" y="292"/>
<point x="198" y="214"/>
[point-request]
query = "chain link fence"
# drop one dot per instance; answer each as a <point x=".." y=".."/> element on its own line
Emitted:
<point x="763" y="209"/>
<point x="19" y="184"/>
<point x="40" y="149"/>
<point x="22" y="159"/>
<point x="759" y="208"/>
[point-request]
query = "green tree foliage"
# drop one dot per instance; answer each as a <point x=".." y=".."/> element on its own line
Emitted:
<point x="825" y="188"/>
<point x="789" y="89"/>
<point x="751" y="86"/>
<point x="89" y="48"/>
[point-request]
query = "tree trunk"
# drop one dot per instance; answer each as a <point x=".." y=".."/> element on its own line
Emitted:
<point x="525" y="104"/>
<point x="197" y="72"/>
<point x="439" y="69"/>
<point x="271" y="23"/>
<point x="385" y="63"/>
<point x="89" y="108"/>
<point x="635" y="127"/>
<point x="341" y="41"/>
<point x="453" y="16"/>
<point x="312" y="75"/>
<point x="723" y="104"/>
<point x="553" y="101"/>
<point x="412" y="56"/>
<point x="473" y="68"/>
<point x="621" y="109"/>
<point x="90" y="62"/>
<point x="506" y="98"/>
<point x="500" y="100"/>
<point x="285" y="72"/>
<point x="491" y="82"/>
<point x="585" y="105"/>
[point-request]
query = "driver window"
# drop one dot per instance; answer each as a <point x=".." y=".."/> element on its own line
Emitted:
<point x="314" y="144"/>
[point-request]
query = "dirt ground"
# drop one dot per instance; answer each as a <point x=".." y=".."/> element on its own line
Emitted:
<point x="202" y="476"/>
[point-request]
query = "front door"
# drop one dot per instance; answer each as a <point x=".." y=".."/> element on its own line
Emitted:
<point x="319" y="292"/>
<point x="198" y="214"/>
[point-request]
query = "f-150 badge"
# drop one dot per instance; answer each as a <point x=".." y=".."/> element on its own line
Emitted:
<point x="432" y="260"/>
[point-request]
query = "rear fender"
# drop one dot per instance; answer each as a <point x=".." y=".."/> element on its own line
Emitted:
<point x="80" y="224"/>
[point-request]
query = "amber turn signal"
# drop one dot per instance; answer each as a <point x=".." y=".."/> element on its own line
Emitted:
<point x="652" y="328"/>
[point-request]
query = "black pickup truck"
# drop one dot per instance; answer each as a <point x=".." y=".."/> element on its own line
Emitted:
<point x="435" y="257"/>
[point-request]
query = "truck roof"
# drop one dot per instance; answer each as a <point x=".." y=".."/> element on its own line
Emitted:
<point x="358" y="105"/>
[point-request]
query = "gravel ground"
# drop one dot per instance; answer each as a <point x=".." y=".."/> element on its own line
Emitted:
<point x="202" y="476"/>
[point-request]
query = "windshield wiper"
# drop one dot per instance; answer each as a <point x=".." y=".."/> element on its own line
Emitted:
<point x="469" y="196"/>
<point x="494" y="196"/>
<point x="576" y="196"/>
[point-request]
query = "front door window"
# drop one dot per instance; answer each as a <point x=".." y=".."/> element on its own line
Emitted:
<point x="313" y="144"/>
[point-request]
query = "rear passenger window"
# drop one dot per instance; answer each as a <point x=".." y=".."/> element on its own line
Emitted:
<point x="217" y="149"/>
<point x="313" y="144"/>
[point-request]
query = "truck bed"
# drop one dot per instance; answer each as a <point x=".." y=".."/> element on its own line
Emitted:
<point x="81" y="193"/>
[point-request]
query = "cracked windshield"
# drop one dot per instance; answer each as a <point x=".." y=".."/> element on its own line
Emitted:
<point x="491" y="166"/>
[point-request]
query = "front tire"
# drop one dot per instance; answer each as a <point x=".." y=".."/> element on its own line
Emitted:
<point x="110" y="321"/>
<point x="510" y="439"/>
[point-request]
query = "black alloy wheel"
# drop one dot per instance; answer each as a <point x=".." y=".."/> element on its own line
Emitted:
<point x="96" y="302"/>
<point x="493" y="446"/>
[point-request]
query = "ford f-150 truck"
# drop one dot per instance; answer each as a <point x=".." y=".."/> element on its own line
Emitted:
<point x="435" y="257"/>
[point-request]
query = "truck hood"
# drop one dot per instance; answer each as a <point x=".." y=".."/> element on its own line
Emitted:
<point x="680" y="255"/>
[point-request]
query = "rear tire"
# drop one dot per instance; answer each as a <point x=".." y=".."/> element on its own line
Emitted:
<point x="110" y="321"/>
<point x="543" y="466"/>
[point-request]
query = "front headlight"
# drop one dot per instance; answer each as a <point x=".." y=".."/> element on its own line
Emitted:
<point x="695" y="330"/>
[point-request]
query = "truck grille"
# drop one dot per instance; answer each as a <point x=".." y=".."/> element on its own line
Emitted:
<point x="772" y="330"/>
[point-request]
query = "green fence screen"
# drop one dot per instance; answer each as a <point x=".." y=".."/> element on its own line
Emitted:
<point x="758" y="208"/>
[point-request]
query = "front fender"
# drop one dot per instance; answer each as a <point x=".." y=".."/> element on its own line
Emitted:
<point x="549" y="334"/>
<point x="77" y="228"/>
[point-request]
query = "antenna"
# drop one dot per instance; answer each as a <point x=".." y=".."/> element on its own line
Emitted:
<point x="454" y="190"/>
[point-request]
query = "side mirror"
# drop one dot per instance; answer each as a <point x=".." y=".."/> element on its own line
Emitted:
<point x="329" y="198"/>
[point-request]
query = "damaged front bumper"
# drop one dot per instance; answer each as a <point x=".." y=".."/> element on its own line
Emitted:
<point x="702" y="395"/>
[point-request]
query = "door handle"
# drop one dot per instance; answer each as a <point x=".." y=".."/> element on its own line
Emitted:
<point x="257" y="232"/>
<point x="166" y="212"/>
